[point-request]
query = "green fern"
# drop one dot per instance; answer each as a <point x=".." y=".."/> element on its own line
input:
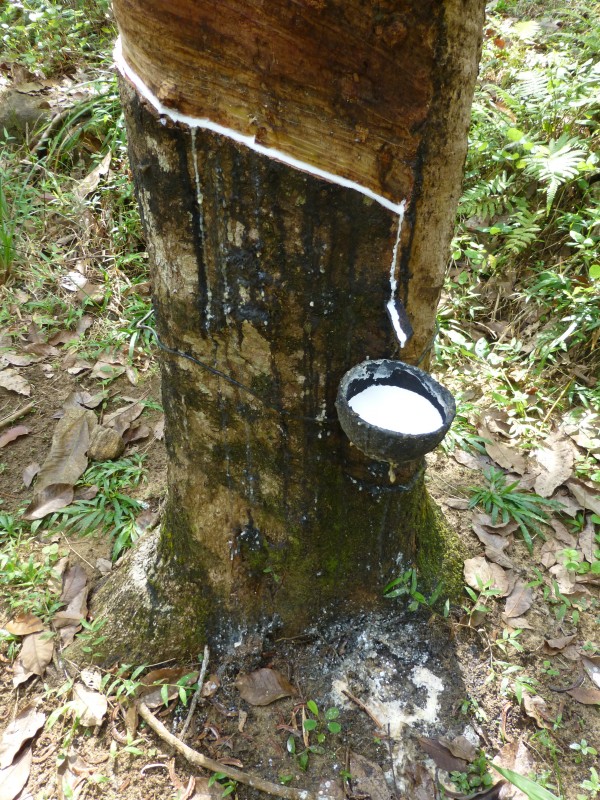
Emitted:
<point x="556" y="163"/>
<point x="488" y="199"/>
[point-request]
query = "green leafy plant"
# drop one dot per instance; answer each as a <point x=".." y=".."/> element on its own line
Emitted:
<point x="529" y="787"/>
<point x="405" y="585"/>
<point x="228" y="785"/>
<point x="582" y="749"/>
<point x="504" y="502"/>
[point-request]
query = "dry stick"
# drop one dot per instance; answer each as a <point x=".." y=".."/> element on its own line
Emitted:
<point x="20" y="412"/>
<point x="200" y="760"/>
<point x="197" y="694"/>
<point x="362" y="706"/>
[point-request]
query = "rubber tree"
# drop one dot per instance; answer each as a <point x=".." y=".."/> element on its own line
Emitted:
<point x="297" y="164"/>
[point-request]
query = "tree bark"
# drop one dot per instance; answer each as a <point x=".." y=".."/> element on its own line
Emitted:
<point x="269" y="284"/>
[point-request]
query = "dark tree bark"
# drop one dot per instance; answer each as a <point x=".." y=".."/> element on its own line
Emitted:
<point x="273" y="282"/>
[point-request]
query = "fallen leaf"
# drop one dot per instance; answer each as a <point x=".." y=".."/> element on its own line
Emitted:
<point x="29" y="473"/>
<point x="41" y="349"/>
<point x="91" y="677"/>
<point x="498" y="557"/>
<point x="210" y="686"/>
<point x="263" y="686"/>
<point x="20" y="359"/>
<point x="562" y="535"/>
<point x="20" y="674"/>
<point x="565" y="580"/>
<point x="48" y="500"/>
<point x="90" y="706"/>
<point x="88" y="184"/>
<point x="479" y="573"/>
<point x="121" y="419"/>
<point x="554" y="464"/>
<point x="489" y="537"/>
<point x="461" y="747"/>
<point x="10" y="379"/>
<point x="36" y="652"/>
<point x="519" y="600"/>
<point x="135" y="433"/>
<point x="368" y="779"/>
<point x="418" y="782"/>
<point x="475" y="462"/>
<point x="586" y="541"/>
<point x="23" y="727"/>
<point x="456" y="502"/>
<point x="74" y="580"/>
<point x="154" y="683"/>
<point x="553" y="646"/>
<point x="24" y="624"/>
<point x="536" y="708"/>
<point x="592" y="667"/>
<point x="72" y="282"/>
<point x="13" y="433"/>
<point x="74" y="612"/>
<point x="14" y="777"/>
<point x="503" y="454"/>
<point x="106" y="370"/>
<point x="585" y="696"/>
<point x="586" y="495"/>
<point x="549" y="552"/>
<point x="516" y="757"/>
<point x="441" y="755"/>
<point x="67" y="458"/>
<point x="159" y="429"/>
<point x="517" y="622"/>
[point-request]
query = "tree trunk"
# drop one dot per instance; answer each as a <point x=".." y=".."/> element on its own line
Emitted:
<point x="270" y="282"/>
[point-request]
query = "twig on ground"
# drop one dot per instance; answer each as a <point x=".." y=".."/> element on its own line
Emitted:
<point x="391" y="754"/>
<point x="200" y="760"/>
<point x="20" y="412"/>
<point x="363" y="707"/>
<point x="197" y="693"/>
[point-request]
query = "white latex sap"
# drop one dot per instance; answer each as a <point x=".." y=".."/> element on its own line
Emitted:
<point x="396" y="409"/>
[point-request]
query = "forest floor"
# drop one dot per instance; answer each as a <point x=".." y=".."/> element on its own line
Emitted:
<point x="418" y="701"/>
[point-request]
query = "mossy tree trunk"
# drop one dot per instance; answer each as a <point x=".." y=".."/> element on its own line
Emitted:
<point x="273" y="282"/>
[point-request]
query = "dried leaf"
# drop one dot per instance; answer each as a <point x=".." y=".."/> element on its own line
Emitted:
<point x="24" y="624"/>
<point x="536" y="708"/>
<point x="154" y="682"/>
<point x="475" y="462"/>
<point x="24" y="727"/>
<point x="29" y="473"/>
<point x="503" y="454"/>
<point x="562" y="535"/>
<point x="74" y="612"/>
<point x="517" y="622"/>
<point x="90" y="706"/>
<point x="461" y="747"/>
<point x="586" y="496"/>
<point x="419" y="784"/>
<point x="37" y="652"/>
<point x="10" y="379"/>
<point x="498" y="557"/>
<point x="519" y="600"/>
<point x="554" y="464"/>
<point x="67" y="458"/>
<point x="121" y="419"/>
<point x="14" y="777"/>
<point x="19" y="359"/>
<point x="456" y="502"/>
<point x="74" y="580"/>
<point x="263" y="686"/>
<point x="489" y="536"/>
<point x="92" y="678"/>
<point x="516" y="757"/>
<point x="210" y="686"/>
<point x="20" y="674"/>
<point x="106" y="370"/>
<point x="13" y="433"/>
<point x="586" y="541"/>
<point x="586" y="696"/>
<point x="441" y="755"/>
<point x="88" y="184"/>
<point x="479" y="572"/>
<point x="566" y="581"/>
<point x="159" y="429"/>
<point x="553" y="646"/>
<point x="592" y="667"/>
<point x="48" y="500"/>
<point x="368" y="780"/>
<point x="136" y="433"/>
<point x="41" y="349"/>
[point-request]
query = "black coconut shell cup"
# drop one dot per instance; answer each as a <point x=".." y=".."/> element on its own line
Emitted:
<point x="380" y="443"/>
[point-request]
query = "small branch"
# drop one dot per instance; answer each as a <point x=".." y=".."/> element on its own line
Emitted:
<point x="200" y="760"/>
<point x="20" y="412"/>
<point x="364" y="708"/>
<point x="196" y="696"/>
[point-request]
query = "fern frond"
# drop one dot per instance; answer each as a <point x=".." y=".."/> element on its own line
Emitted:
<point x="555" y="163"/>
<point x="488" y="199"/>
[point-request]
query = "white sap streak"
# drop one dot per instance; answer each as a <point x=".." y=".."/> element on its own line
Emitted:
<point x="396" y="409"/>
<point x="248" y="141"/>
<point x="391" y="304"/>
<point x="200" y="202"/>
